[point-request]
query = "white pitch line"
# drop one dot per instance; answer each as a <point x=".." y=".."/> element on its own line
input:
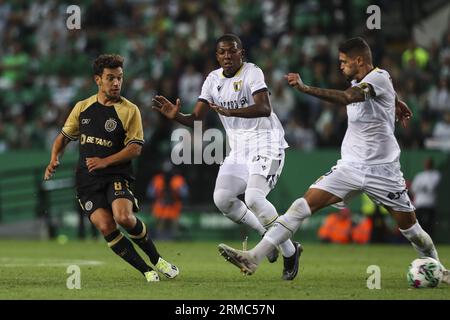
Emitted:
<point x="46" y="262"/>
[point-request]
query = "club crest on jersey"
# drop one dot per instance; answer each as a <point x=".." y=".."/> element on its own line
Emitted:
<point x="110" y="125"/>
<point x="237" y="86"/>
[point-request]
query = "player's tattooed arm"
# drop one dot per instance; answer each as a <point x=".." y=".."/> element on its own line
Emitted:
<point x="261" y="108"/>
<point x="402" y="112"/>
<point x="351" y="95"/>
<point x="172" y="111"/>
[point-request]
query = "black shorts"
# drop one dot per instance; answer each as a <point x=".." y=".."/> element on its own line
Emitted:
<point x="103" y="193"/>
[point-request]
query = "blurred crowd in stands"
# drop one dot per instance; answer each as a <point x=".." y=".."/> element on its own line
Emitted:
<point x="169" y="47"/>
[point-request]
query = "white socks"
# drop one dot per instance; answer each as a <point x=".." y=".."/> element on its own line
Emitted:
<point x="267" y="215"/>
<point x="291" y="221"/>
<point x="283" y="229"/>
<point x="252" y="221"/>
<point x="421" y="241"/>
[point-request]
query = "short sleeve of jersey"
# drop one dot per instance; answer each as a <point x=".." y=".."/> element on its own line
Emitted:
<point x="256" y="80"/>
<point x="375" y="84"/>
<point x="133" y="127"/>
<point x="206" y="89"/>
<point x="71" y="128"/>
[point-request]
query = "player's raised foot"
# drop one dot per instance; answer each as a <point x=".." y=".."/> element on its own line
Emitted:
<point x="151" y="276"/>
<point x="445" y="276"/>
<point x="291" y="264"/>
<point x="272" y="256"/>
<point x="166" y="268"/>
<point x="240" y="259"/>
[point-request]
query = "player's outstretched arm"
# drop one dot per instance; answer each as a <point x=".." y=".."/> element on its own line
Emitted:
<point x="351" y="95"/>
<point x="58" y="147"/>
<point x="261" y="108"/>
<point x="172" y="111"/>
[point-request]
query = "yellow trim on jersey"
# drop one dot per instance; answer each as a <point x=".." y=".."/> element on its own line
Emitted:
<point x="71" y="128"/>
<point x="374" y="69"/>
<point x="116" y="239"/>
<point x="81" y="205"/>
<point x="236" y="74"/>
<point x="130" y="116"/>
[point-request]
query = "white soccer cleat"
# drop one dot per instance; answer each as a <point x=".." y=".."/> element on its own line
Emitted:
<point x="240" y="259"/>
<point x="151" y="276"/>
<point x="166" y="268"/>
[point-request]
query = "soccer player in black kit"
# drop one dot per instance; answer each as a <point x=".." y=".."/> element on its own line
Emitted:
<point x="109" y="130"/>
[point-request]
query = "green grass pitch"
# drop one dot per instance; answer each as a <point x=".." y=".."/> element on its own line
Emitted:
<point x="38" y="270"/>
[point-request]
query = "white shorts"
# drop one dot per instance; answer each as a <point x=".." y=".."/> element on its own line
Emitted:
<point x="384" y="184"/>
<point x="269" y="167"/>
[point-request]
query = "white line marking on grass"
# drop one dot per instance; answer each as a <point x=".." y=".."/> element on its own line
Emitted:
<point x="45" y="262"/>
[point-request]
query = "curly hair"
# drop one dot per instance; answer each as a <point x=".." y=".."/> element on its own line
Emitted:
<point x="103" y="61"/>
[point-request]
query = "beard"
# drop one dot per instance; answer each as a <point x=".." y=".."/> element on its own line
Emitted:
<point x="113" y="96"/>
<point x="349" y="77"/>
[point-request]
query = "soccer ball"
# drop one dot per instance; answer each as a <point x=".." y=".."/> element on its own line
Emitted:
<point x="424" y="273"/>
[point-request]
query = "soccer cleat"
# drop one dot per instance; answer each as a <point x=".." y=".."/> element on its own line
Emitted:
<point x="291" y="264"/>
<point x="240" y="259"/>
<point x="272" y="256"/>
<point x="151" y="276"/>
<point x="445" y="276"/>
<point x="166" y="268"/>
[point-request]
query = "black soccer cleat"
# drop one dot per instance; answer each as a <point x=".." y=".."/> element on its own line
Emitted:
<point x="291" y="264"/>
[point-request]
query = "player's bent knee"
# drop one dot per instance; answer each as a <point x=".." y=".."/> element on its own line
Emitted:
<point x="405" y="220"/>
<point x="125" y="219"/>
<point x="223" y="199"/>
<point x="105" y="228"/>
<point x="255" y="200"/>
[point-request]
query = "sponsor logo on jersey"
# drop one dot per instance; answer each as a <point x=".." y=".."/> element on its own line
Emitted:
<point x="110" y="124"/>
<point x="94" y="140"/>
<point x="85" y="121"/>
<point x="234" y="104"/>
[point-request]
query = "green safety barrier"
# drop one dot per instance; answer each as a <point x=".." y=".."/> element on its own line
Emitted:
<point x="21" y="188"/>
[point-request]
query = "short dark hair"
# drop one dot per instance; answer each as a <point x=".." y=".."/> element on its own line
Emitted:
<point x="229" y="37"/>
<point x="356" y="46"/>
<point x="110" y="61"/>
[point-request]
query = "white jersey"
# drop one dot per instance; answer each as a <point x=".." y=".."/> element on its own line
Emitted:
<point x="370" y="136"/>
<point x="424" y="188"/>
<point x="253" y="135"/>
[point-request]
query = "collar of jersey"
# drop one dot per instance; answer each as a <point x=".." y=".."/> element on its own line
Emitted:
<point x="375" y="68"/>
<point x="118" y="102"/>
<point x="234" y="75"/>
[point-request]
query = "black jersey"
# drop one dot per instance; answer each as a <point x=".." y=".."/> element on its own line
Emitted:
<point x="102" y="131"/>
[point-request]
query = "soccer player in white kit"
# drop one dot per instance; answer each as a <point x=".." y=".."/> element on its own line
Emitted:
<point x="369" y="158"/>
<point x="238" y="93"/>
